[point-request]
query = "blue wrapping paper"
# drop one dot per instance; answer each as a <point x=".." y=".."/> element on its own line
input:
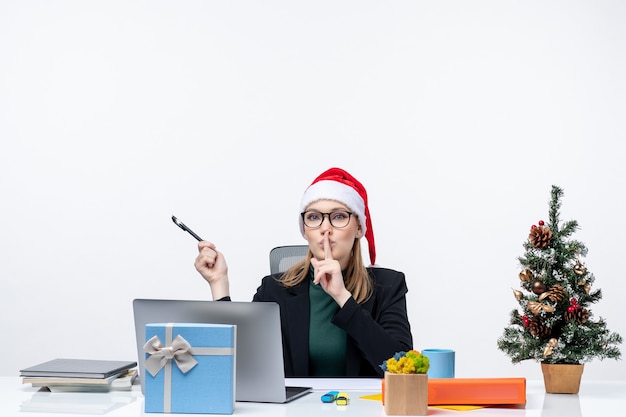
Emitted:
<point x="190" y="368"/>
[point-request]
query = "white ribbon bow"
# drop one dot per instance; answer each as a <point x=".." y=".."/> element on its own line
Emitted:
<point x="179" y="351"/>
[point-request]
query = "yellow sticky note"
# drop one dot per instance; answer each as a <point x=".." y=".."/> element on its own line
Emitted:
<point x="375" y="397"/>
<point x="459" y="407"/>
<point x="379" y="397"/>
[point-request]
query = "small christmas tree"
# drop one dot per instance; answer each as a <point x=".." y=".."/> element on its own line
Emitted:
<point x="556" y="324"/>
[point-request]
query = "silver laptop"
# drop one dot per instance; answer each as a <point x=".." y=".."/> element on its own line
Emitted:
<point x="260" y="373"/>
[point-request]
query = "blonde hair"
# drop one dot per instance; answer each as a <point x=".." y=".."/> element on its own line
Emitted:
<point x="356" y="278"/>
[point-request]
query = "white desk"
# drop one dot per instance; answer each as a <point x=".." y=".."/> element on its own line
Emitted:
<point x="596" y="399"/>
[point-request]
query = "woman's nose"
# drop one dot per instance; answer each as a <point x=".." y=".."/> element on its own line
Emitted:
<point x="326" y="223"/>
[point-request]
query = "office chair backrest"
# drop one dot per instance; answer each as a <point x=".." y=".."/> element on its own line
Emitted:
<point x="283" y="257"/>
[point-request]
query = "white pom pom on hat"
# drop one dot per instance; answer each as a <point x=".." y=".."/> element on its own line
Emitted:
<point x="337" y="184"/>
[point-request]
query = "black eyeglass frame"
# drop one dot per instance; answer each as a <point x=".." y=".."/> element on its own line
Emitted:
<point x="349" y="213"/>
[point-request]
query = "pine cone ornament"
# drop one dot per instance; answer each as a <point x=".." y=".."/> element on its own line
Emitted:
<point x="540" y="236"/>
<point x="580" y="315"/>
<point x="555" y="293"/>
<point x="537" y="328"/>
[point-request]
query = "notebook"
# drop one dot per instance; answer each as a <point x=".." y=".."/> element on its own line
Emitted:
<point x="78" y="368"/>
<point x="260" y="372"/>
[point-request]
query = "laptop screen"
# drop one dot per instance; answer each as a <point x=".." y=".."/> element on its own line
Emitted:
<point x="260" y="375"/>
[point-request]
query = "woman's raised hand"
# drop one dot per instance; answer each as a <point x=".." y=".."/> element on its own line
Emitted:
<point x="327" y="273"/>
<point x="211" y="264"/>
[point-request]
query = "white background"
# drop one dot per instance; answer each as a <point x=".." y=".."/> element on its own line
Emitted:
<point x="457" y="116"/>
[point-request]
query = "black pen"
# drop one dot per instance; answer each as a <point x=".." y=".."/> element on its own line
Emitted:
<point x="185" y="228"/>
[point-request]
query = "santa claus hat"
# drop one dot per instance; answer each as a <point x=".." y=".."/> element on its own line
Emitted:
<point x="337" y="184"/>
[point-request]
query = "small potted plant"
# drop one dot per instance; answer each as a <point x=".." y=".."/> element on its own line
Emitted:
<point x="405" y="387"/>
<point x="553" y="323"/>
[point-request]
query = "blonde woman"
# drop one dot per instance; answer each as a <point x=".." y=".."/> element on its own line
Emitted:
<point x="338" y="317"/>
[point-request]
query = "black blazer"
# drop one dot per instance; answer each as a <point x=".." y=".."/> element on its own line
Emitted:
<point x="376" y="329"/>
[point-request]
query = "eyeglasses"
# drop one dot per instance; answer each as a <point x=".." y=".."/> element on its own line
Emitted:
<point x="314" y="219"/>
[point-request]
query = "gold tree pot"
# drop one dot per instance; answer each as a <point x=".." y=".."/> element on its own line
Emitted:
<point x="562" y="378"/>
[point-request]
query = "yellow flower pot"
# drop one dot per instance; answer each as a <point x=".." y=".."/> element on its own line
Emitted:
<point x="405" y="394"/>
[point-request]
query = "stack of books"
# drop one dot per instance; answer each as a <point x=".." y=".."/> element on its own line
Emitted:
<point x="81" y="375"/>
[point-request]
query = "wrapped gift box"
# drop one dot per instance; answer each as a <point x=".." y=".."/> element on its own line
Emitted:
<point x="190" y="368"/>
<point x="476" y="391"/>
